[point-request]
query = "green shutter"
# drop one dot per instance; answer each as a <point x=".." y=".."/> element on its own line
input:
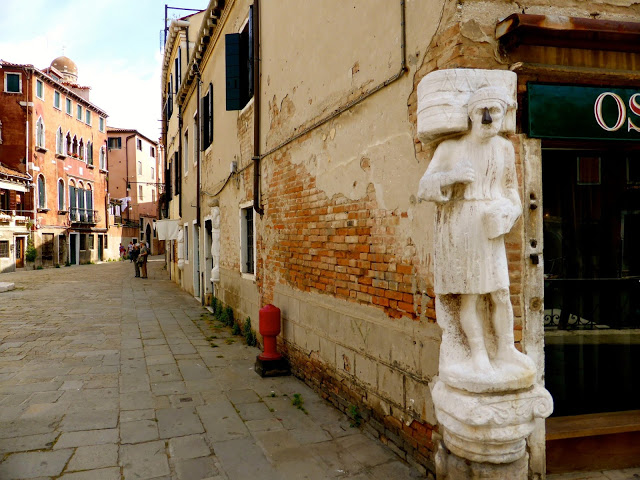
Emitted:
<point x="13" y="82"/>
<point x="233" y="71"/>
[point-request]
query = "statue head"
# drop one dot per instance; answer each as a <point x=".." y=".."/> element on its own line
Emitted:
<point x="487" y="108"/>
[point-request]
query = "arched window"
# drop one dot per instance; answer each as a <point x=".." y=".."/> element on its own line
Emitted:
<point x="81" y="150"/>
<point x="81" y="205"/>
<point x="74" y="147"/>
<point x="60" y="195"/>
<point x="89" y="153"/>
<point x="73" y="203"/>
<point x="40" y="133"/>
<point x="103" y="163"/>
<point x="42" y="194"/>
<point x="67" y="146"/>
<point x="59" y="142"/>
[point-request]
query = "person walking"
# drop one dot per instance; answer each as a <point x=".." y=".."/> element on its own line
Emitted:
<point x="134" y="258"/>
<point x="130" y="250"/>
<point x="122" y="251"/>
<point x="142" y="259"/>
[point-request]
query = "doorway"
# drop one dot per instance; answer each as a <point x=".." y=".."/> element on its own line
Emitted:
<point x="74" y="249"/>
<point x="196" y="261"/>
<point x="101" y="247"/>
<point x="20" y="242"/>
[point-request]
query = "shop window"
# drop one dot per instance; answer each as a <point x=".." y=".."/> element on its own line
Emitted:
<point x="247" y="238"/>
<point x="588" y="170"/>
<point x="68" y="106"/>
<point x="56" y="99"/>
<point x="633" y="170"/>
<point x="40" y="89"/>
<point x="239" y="66"/>
<point x="115" y="143"/>
<point x="591" y="273"/>
<point x="4" y="249"/>
<point x="12" y="83"/>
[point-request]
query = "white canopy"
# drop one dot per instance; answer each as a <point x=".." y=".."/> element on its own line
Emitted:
<point x="167" y="229"/>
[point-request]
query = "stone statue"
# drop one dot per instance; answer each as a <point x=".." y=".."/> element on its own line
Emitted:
<point x="215" y="243"/>
<point x="473" y="181"/>
<point x="180" y="248"/>
<point x="485" y="396"/>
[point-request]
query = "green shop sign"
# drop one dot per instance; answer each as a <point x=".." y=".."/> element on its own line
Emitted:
<point x="573" y="112"/>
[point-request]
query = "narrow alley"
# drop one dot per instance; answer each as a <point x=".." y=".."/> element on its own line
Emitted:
<point x="104" y="376"/>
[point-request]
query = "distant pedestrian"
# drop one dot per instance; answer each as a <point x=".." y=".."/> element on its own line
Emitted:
<point x="134" y="258"/>
<point x="142" y="259"/>
<point x="130" y="250"/>
<point x="122" y="251"/>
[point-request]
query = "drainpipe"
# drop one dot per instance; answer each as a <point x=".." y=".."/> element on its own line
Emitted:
<point x="257" y="203"/>
<point x="198" y="143"/>
<point x="126" y="157"/>
<point x="179" y="166"/>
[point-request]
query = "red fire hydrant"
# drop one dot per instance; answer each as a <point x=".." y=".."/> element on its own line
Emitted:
<point x="269" y="326"/>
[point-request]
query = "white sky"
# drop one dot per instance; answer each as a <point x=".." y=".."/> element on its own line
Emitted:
<point x="116" y="45"/>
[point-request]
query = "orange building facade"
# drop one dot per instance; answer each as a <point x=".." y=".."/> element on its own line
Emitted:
<point x="56" y="137"/>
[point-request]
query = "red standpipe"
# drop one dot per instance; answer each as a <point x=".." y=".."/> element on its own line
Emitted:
<point x="269" y="327"/>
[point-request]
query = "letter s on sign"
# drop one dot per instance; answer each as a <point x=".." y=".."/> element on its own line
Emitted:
<point x="622" y="111"/>
<point x="634" y="106"/>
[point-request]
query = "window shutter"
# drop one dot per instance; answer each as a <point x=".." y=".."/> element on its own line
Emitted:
<point x="177" y="169"/>
<point x="249" y="58"/>
<point x="233" y="71"/>
<point x="210" y="116"/>
<point x="203" y="120"/>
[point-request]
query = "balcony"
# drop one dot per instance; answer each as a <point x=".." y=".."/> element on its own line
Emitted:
<point x="82" y="215"/>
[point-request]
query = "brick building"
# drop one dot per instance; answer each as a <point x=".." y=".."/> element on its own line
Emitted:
<point x="55" y="135"/>
<point x="311" y="156"/>
<point x="135" y="181"/>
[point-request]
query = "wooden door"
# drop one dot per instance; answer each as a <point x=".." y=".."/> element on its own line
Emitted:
<point x="19" y="252"/>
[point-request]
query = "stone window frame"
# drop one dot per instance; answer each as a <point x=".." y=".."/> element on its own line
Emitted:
<point x="6" y="82"/>
<point x="63" y="197"/>
<point x="57" y="100"/>
<point x="68" y="106"/>
<point x="102" y="159"/>
<point x="42" y="192"/>
<point x="40" y="134"/>
<point x="244" y="251"/>
<point x="40" y="87"/>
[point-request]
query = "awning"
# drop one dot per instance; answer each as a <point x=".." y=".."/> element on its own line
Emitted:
<point x="167" y="229"/>
<point x="18" y="187"/>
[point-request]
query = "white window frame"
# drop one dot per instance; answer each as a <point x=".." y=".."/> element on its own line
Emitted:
<point x="44" y="184"/>
<point x="64" y="194"/>
<point x="101" y="124"/>
<point x="59" y="141"/>
<point x="243" y="248"/>
<point x="56" y="94"/>
<point x="68" y="103"/>
<point x="40" y="83"/>
<point x="185" y="152"/>
<point x="79" y="111"/>
<point x="139" y="167"/>
<point x="139" y="144"/>
<point x="6" y="75"/>
<point x="87" y="116"/>
<point x="102" y="159"/>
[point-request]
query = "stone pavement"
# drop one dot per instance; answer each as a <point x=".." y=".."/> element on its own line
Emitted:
<point x="104" y="376"/>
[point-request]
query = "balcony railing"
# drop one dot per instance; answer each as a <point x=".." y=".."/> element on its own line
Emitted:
<point x="82" y="215"/>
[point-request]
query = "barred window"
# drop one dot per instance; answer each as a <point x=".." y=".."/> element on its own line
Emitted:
<point x="4" y="249"/>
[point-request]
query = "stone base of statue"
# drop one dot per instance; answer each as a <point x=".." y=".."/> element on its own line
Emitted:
<point x="449" y="466"/>
<point x="488" y="427"/>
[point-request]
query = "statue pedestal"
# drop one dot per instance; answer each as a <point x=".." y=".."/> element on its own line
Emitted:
<point x="489" y="428"/>
<point x="451" y="467"/>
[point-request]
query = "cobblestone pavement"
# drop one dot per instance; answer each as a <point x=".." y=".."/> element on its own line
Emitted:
<point x="104" y="376"/>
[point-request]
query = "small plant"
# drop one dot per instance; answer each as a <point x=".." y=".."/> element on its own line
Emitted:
<point x="236" y="329"/>
<point x="298" y="402"/>
<point x="249" y="334"/>
<point x="31" y="253"/>
<point x="39" y="267"/>
<point x="272" y="394"/>
<point x="217" y="311"/>
<point x="355" y="415"/>
<point x="228" y="312"/>
<point x="67" y="264"/>
<point x="229" y="341"/>
<point x="214" y="304"/>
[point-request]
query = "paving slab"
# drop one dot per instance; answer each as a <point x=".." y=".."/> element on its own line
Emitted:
<point x="144" y="460"/>
<point x="34" y="464"/>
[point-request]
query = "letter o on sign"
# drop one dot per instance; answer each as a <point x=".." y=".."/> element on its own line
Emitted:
<point x="622" y="111"/>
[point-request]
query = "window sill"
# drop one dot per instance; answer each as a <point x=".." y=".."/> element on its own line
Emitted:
<point x="61" y="156"/>
<point x="90" y="166"/>
<point x="43" y="210"/>
<point x="41" y="149"/>
<point x="63" y="212"/>
<point x="102" y="170"/>
<point x="248" y="276"/>
<point x="17" y="93"/>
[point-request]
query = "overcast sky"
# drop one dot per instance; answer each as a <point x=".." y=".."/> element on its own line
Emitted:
<point x="116" y="45"/>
